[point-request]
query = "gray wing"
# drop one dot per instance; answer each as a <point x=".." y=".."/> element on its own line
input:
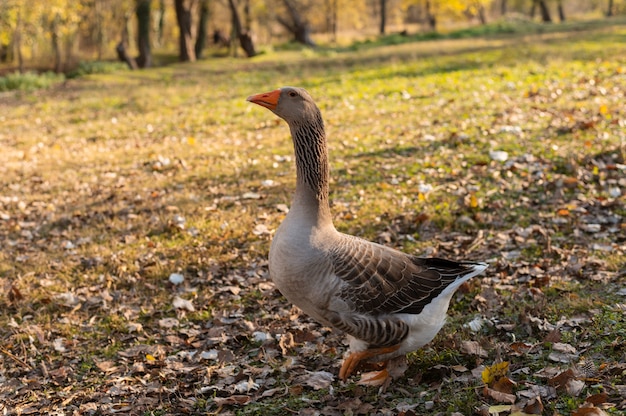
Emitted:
<point x="380" y="280"/>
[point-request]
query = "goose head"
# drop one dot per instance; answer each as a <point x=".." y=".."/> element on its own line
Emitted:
<point x="292" y="104"/>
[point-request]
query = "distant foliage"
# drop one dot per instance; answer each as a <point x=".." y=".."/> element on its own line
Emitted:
<point x="29" y="81"/>
<point x="97" y="67"/>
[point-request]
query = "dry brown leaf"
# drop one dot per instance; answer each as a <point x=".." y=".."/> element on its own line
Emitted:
<point x="317" y="379"/>
<point x="561" y="380"/>
<point x="286" y="343"/>
<point x="534" y="406"/>
<point x="520" y="347"/>
<point x="473" y="348"/>
<point x="235" y="399"/>
<point x="504" y="385"/>
<point x="598" y="398"/>
<point x="588" y="409"/>
<point x="553" y="336"/>
<point x="499" y="396"/>
<point x="574" y="387"/>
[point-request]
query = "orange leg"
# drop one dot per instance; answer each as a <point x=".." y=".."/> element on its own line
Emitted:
<point x="352" y="361"/>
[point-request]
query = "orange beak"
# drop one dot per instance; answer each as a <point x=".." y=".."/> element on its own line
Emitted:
<point x="266" y="99"/>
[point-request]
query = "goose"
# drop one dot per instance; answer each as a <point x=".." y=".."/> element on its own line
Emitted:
<point x="388" y="302"/>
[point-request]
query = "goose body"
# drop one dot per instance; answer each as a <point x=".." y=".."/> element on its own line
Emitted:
<point x="386" y="301"/>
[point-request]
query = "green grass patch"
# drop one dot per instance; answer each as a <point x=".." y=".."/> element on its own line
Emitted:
<point x="29" y="81"/>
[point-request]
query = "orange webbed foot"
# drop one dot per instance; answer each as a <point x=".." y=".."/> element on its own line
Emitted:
<point x="351" y="362"/>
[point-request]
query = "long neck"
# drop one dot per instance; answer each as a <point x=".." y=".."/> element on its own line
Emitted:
<point x="312" y="168"/>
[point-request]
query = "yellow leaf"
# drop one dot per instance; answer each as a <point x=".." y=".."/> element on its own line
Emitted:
<point x="604" y="109"/>
<point x="150" y="357"/>
<point x="473" y="201"/>
<point x="421" y="197"/>
<point x="496" y="410"/>
<point x="191" y="140"/>
<point x="491" y="373"/>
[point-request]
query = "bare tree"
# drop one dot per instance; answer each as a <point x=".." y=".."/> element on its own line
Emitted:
<point x="331" y="17"/>
<point x="560" y="10"/>
<point x="543" y="9"/>
<point x="383" y="16"/>
<point x="183" y="18"/>
<point x="295" y="24"/>
<point x="203" y="24"/>
<point x="17" y="41"/>
<point x="244" y="36"/>
<point x="430" y="17"/>
<point x="56" y="43"/>
<point x="609" y="11"/>
<point x="142" y="11"/>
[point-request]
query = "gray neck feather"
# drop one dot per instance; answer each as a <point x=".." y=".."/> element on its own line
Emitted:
<point x="309" y="139"/>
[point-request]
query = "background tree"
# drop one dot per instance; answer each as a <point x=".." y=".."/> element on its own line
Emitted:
<point x="142" y="11"/>
<point x="294" y="22"/>
<point x="543" y="9"/>
<point x="56" y="34"/>
<point x="187" y="51"/>
<point x="243" y="35"/>
<point x="383" y="16"/>
<point x="203" y="27"/>
<point x="561" y="11"/>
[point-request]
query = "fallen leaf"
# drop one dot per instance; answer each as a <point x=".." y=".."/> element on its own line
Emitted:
<point x="473" y="348"/>
<point x="317" y="379"/>
<point x="534" y="407"/>
<point x="562" y="379"/>
<point x="574" y="387"/>
<point x="180" y="303"/>
<point x="491" y="373"/>
<point x="231" y="400"/>
<point x="59" y="345"/>
<point x="499" y="396"/>
<point x="496" y="410"/>
<point x="286" y="343"/>
<point x="598" y="398"/>
<point x="588" y="409"/>
<point x="520" y="347"/>
<point x="504" y="385"/>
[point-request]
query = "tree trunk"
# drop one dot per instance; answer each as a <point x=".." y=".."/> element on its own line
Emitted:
<point x="161" y="24"/>
<point x="297" y="26"/>
<point x="481" y="14"/>
<point x="543" y="8"/>
<point x="383" y="16"/>
<point x="56" y="44"/>
<point x="183" y="17"/>
<point x="124" y="56"/>
<point x="99" y="27"/>
<point x="432" y="20"/>
<point x="561" y="11"/>
<point x="142" y="11"/>
<point x="609" y="10"/>
<point x="335" y="12"/>
<point x="17" y="42"/>
<point x="203" y="24"/>
<point x="503" y="7"/>
<point x="244" y="36"/>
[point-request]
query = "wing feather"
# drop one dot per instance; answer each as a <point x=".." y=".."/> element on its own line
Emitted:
<point x="381" y="280"/>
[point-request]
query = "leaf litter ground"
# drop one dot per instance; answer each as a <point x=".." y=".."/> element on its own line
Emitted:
<point x="136" y="213"/>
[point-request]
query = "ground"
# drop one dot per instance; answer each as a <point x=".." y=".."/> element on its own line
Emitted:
<point x="137" y="208"/>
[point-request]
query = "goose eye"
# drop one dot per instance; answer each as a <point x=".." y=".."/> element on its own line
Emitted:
<point x="292" y="94"/>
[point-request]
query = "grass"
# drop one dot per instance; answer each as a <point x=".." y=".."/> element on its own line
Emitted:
<point x="112" y="182"/>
